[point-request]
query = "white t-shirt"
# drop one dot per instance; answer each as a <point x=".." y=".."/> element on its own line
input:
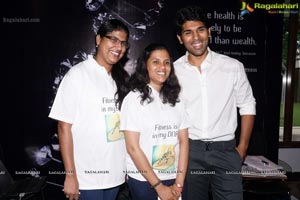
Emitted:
<point x="85" y="99"/>
<point x="158" y="125"/>
<point x="213" y="96"/>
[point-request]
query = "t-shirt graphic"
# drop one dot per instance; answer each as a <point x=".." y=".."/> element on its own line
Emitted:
<point x="112" y="123"/>
<point x="163" y="157"/>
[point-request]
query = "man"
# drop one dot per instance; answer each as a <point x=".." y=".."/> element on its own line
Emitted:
<point x="92" y="148"/>
<point x="213" y="87"/>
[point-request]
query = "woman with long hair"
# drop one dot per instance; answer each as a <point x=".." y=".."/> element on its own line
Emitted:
<point x="155" y="126"/>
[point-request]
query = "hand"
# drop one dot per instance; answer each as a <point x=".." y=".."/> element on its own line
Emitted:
<point x="71" y="187"/>
<point x="166" y="192"/>
<point x="176" y="190"/>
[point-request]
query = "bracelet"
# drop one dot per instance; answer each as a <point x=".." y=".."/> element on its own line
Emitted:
<point x="156" y="184"/>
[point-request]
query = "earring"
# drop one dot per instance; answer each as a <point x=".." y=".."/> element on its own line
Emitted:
<point x="96" y="45"/>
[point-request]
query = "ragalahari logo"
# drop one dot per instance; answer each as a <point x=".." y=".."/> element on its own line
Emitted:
<point x="246" y="8"/>
<point x="271" y="8"/>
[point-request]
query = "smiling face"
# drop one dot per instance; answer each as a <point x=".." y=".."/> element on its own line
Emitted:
<point x="110" y="52"/>
<point x="195" y="37"/>
<point x="159" y="68"/>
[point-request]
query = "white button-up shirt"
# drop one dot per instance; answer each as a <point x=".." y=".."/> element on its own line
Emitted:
<point x="213" y="95"/>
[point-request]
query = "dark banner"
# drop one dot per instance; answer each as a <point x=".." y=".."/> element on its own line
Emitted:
<point x="43" y="40"/>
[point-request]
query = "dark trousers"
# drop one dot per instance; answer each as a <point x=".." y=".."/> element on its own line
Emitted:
<point x="103" y="194"/>
<point x="141" y="190"/>
<point x="214" y="165"/>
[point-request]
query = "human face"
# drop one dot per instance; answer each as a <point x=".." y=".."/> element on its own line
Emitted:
<point x="195" y="37"/>
<point x="159" y="68"/>
<point x="109" y="52"/>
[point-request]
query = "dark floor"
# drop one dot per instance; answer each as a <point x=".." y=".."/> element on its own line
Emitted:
<point x="53" y="192"/>
<point x="295" y="188"/>
<point x="294" y="184"/>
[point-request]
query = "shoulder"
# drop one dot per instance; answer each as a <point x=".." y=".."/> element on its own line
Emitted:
<point x="132" y="97"/>
<point x="131" y="102"/>
<point x="77" y="70"/>
<point x="179" y="64"/>
<point x="82" y="71"/>
<point x="179" y="61"/>
<point x="180" y="104"/>
<point x="225" y="60"/>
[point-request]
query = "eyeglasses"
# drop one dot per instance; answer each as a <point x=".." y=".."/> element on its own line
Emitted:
<point x="116" y="41"/>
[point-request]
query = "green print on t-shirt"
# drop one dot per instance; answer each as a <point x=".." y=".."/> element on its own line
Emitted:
<point x="112" y="124"/>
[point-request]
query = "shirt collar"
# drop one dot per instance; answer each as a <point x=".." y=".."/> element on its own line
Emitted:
<point x="98" y="67"/>
<point x="206" y="61"/>
<point x="153" y="91"/>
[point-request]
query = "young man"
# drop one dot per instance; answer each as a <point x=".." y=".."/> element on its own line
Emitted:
<point x="213" y="87"/>
<point x="92" y="148"/>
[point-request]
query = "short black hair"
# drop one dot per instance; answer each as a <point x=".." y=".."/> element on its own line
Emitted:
<point x="190" y="13"/>
<point x="111" y="25"/>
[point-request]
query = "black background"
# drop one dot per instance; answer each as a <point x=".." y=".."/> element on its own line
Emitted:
<point x="31" y="53"/>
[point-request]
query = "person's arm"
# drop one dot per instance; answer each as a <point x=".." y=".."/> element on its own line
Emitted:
<point x="246" y="103"/>
<point x="183" y="159"/>
<point x="71" y="186"/>
<point x="141" y="162"/>
<point x="247" y="123"/>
